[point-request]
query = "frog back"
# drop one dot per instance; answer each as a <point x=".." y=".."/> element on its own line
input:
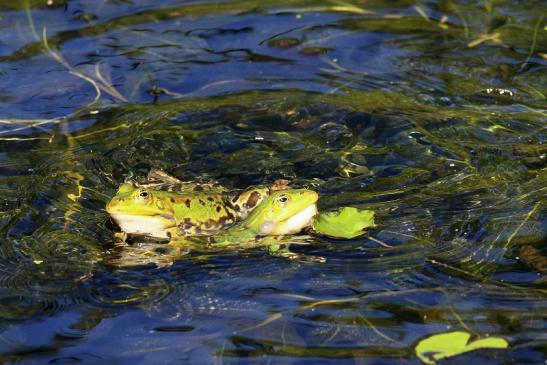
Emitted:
<point x="202" y="214"/>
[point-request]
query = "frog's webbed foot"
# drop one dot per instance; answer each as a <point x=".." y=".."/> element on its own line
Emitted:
<point x="288" y="254"/>
<point x="283" y="250"/>
<point x="140" y="254"/>
<point x="156" y="174"/>
<point x="280" y="184"/>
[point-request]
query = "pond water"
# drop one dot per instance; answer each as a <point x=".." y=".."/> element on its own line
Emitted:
<point x="431" y="113"/>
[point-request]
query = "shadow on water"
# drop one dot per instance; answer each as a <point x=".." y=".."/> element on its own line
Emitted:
<point x="430" y="113"/>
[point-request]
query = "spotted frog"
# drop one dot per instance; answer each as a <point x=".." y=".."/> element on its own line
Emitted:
<point x="281" y="213"/>
<point x="165" y="207"/>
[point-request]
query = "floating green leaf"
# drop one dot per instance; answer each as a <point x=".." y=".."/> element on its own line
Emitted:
<point x="444" y="345"/>
<point x="347" y="222"/>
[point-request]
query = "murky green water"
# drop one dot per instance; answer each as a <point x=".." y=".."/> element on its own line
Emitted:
<point x="432" y="113"/>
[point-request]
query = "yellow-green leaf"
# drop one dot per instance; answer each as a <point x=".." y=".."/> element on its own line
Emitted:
<point x="347" y="222"/>
<point x="444" y="345"/>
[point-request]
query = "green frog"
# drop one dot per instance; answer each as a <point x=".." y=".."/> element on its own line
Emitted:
<point x="203" y="215"/>
<point x="281" y="213"/>
<point x="165" y="214"/>
<point x="164" y="206"/>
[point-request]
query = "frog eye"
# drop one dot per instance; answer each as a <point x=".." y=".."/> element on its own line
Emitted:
<point x="143" y="194"/>
<point x="283" y="199"/>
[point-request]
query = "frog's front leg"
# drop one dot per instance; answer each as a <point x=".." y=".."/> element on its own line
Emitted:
<point x="145" y="253"/>
<point x="280" y="249"/>
<point x="162" y="251"/>
<point x="173" y="234"/>
<point x="164" y="254"/>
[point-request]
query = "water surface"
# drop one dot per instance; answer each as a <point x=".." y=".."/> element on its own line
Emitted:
<point x="431" y="113"/>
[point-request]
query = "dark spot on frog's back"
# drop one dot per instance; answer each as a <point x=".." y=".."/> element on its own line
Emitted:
<point x="198" y="188"/>
<point x="187" y="224"/>
<point x="172" y="200"/>
<point x="253" y="199"/>
<point x="202" y="203"/>
<point x="210" y="199"/>
<point x="187" y="202"/>
<point x="211" y="223"/>
<point x="219" y="208"/>
<point x="225" y="221"/>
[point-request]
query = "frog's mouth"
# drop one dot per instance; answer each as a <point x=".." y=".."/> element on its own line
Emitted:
<point x="291" y="225"/>
<point x="148" y="225"/>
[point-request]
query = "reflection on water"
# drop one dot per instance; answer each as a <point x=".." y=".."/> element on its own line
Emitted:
<point x="431" y="113"/>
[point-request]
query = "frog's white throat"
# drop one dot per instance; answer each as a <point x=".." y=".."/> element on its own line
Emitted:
<point x="153" y="226"/>
<point x="292" y="225"/>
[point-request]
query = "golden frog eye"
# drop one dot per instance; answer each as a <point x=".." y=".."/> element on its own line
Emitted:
<point x="144" y="194"/>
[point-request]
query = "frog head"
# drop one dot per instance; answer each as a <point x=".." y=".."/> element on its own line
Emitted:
<point x="139" y="211"/>
<point x="283" y="212"/>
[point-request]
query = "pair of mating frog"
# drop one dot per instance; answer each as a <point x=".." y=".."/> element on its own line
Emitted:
<point x="165" y="207"/>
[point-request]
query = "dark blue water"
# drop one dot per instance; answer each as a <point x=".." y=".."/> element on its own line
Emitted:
<point x="430" y="113"/>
